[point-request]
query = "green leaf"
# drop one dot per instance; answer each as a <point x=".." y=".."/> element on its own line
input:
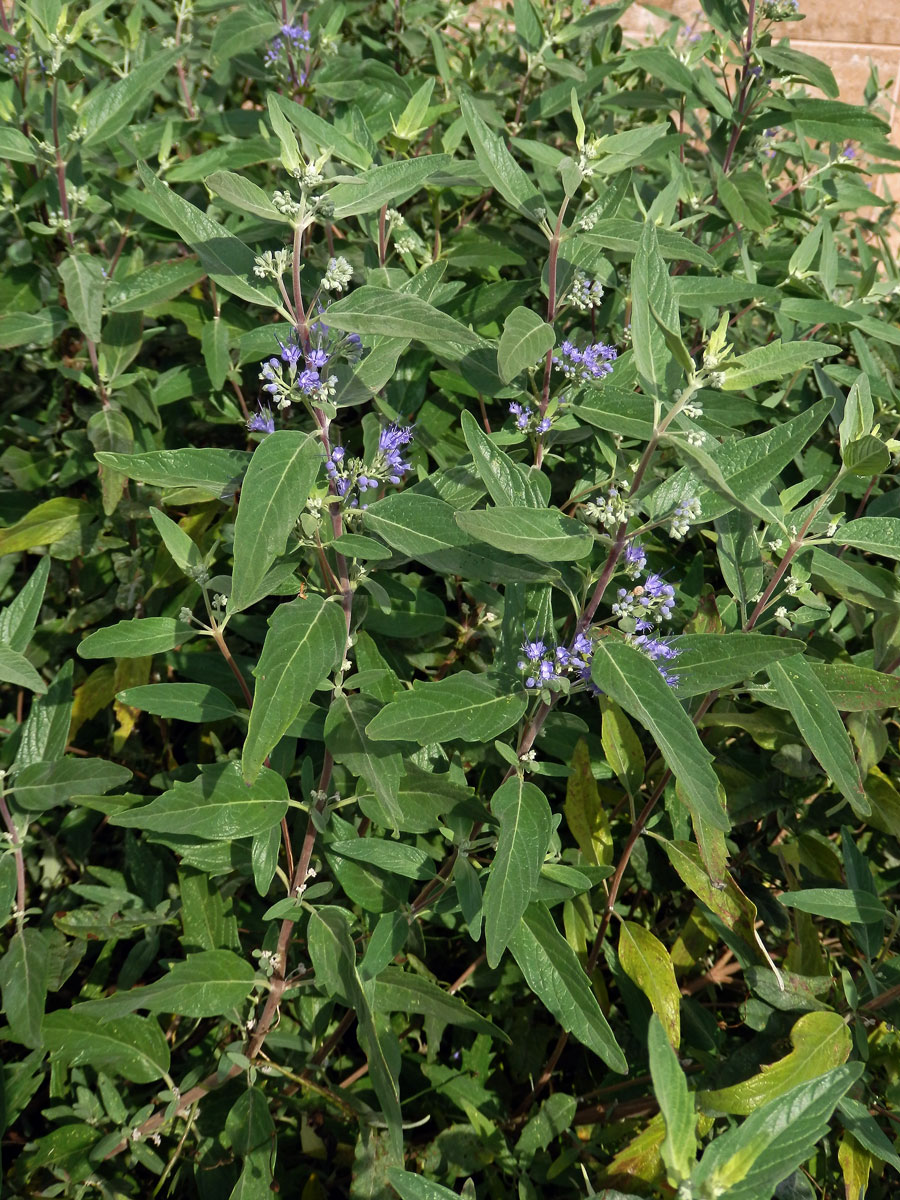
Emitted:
<point x="43" y="785"/>
<point x="525" y="341"/>
<point x="218" y="805"/>
<point x="396" y="858"/>
<point x="325" y="136"/>
<point x="19" y="617"/>
<point x="215" y="471"/>
<point x="740" y="559"/>
<point x="502" y="171"/>
<point x="389" y="184"/>
<point x="837" y="904"/>
<point x="380" y="764"/>
<point x="108" y="110"/>
<point x="290" y="152"/>
<point x="47" y="523"/>
<point x="45" y="733"/>
<point x="868" y="455"/>
<point x="15" y="146"/>
<point x="745" y="465"/>
<point x="17" y="670"/>
<point x="241" y="30"/>
<point x="245" y="196"/>
<point x="213" y="983"/>
<point x="305" y="642"/>
<point x="133" y="1047"/>
<point x="333" y="956"/>
<point x="184" y="550"/>
<point x="857" y="689"/>
<point x="820" y="1040"/>
<point x="154" y="284"/>
<point x="623" y="234"/>
<point x="507" y="481"/>
<point x="654" y="310"/>
<point x="464" y="707"/>
<point x="554" y="973"/>
<point x="544" y="533"/>
<point x="83" y="279"/>
<point x="679" y="1150"/>
<point x="136" y="638"/>
<point x="402" y="991"/>
<point x="747" y="1162"/>
<point x="802" y="66"/>
<point x="276" y="487"/>
<point x="180" y="701"/>
<point x="375" y="310"/>
<point x="701" y="291"/>
<point x="774" y="361"/>
<point x="24" y="972"/>
<point x="635" y="683"/>
<point x="877" y="535"/>
<point x="38" y="328"/>
<point x="821" y="726"/>
<point x="224" y="257"/>
<point x="647" y="964"/>
<point x="627" y="414"/>
<point x="522" y="811"/>
<point x="417" y="1187"/>
<point x="710" y="661"/>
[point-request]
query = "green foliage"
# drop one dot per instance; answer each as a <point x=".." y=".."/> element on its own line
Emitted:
<point x="448" y="606"/>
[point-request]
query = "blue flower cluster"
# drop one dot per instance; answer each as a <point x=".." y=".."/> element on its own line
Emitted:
<point x="528" y="421"/>
<point x="589" y="365"/>
<point x="293" y="39"/>
<point x="300" y="375"/>
<point x="642" y="609"/>
<point x="353" y="474"/>
<point x="543" y="665"/>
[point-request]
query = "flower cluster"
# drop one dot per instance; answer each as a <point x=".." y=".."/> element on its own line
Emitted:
<point x="680" y="520"/>
<point x="635" y="559"/>
<point x="780" y="10"/>
<point x="646" y="604"/>
<point x="609" y="510"/>
<point x="273" y="265"/>
<point x="658" y="650"/>
<point x="543" y="665"/>
<point x="338" y="275"/>
<point x="353" y="475"/>
<point x="293" y="39"/>
<point x="262" y="421"/>
<point x="589" y="365"/>
<point x="586" y="293"/>
<point x="528" y="421"/>
<point x="287" y="381"/>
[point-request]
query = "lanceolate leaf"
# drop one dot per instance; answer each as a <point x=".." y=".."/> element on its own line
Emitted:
<point x="877" y="535"/>
<point x="635" y="683"/>
<point x="820" y="724"/>
<point x="553" y="972"/>
<point x="23" y="981"/>
<point x="544" y="533"/>
<point x="226" y="259"/>
<point x="397" y="990"/>
<point x="133" y="1047"/>
<point x="218" y="805"/>
<point x="646" y="962"/>
<point x="212" y="983"/>
<point x="464" y="705"/>
<point x="708" y="661"/>
<point x="837" y="904"/>
<point x="525" y="826"/>
<point x="305" y="641"/>
<point x="274" y="491"/>
<point x="679" y="1150"/>
<point x="136" y="638"/>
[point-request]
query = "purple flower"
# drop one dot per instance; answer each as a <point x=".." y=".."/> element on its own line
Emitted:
<point x="308" y="380"/>
<point x="261" y="422"/>
<point x="586" y="366"/>
<point x="290" y="353"/>
<point x="635" y="559"/>
<point x="316" y="358"/>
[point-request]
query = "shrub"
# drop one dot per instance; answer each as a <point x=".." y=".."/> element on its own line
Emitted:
<point x="450" y="615"/>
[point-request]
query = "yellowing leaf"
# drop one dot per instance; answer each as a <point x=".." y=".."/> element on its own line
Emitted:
<point x="885" y="801"/>
<point x="646" y="962"/>
<point x="622" y="746"/>
<point x="585" y="816"/>
<point x="856" y="1163"/>
<point x="821" y="1041"/>
<point x="694" y="941"/>
<point x="98" y="690"/>
<point x="44" y="525"/>
<point x="130" y="672"/>
<point x="639" y="1164"/>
